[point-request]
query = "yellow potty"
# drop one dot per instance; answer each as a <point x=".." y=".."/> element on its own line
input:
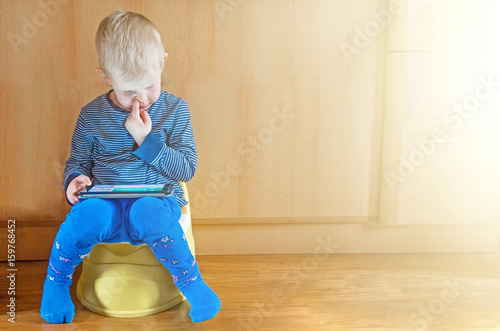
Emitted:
<point x="123" y="280"/>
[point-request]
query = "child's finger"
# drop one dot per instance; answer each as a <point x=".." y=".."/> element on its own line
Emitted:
<point x="81" y="186"/>
<point x="145" y="117"/>
<point x="135" y="108"/>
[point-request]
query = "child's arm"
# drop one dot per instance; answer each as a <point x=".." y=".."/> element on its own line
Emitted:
<point x="178" y="159"/>
<point x="79" y="165"/>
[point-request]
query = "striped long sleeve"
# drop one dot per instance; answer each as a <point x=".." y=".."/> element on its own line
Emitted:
<point x="80" y="159"/>
<point x="175" y="158"/>
<point x="103" y="149"/>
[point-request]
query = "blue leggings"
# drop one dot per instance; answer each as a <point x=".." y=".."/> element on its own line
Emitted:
<point x="121" y="220"/>
<point x="154" y="221"/>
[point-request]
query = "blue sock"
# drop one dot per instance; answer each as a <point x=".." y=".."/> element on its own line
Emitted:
<point x="66" y="254"/>
<point x="173" y="252"/>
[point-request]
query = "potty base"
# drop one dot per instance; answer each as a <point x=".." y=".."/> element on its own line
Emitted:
<point x="122" y="280"/>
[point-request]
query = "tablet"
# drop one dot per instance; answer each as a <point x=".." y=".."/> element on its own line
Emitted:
<point x="126" y="191"/>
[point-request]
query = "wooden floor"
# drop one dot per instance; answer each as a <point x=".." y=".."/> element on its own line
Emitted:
<point x="306" y="292"/>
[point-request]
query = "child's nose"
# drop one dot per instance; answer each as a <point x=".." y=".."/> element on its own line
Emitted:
<point x="141" y="100"/>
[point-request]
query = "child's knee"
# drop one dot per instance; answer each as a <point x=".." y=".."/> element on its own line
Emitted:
<point x="150" y="216"/>
<point x="92" y="218"/>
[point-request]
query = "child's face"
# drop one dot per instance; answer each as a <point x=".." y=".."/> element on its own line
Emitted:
<point x="146" y="89"/>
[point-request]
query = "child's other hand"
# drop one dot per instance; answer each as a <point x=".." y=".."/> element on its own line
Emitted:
<point x="76" y="185"/>
<point x="138" y="123"/>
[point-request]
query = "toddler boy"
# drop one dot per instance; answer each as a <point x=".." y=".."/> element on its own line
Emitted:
<point x="134" y="134"/>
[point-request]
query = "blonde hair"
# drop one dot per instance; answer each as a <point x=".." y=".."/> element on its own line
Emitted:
<point x="128" y="44"/>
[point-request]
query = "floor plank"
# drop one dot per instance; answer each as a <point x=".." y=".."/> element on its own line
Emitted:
<point x="307" y="292"/>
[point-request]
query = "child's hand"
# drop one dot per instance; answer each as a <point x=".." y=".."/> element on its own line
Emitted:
<point x="76" y="185"/>
<point x="138" y="123"/>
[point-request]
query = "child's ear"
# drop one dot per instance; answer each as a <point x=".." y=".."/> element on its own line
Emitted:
<point x="101" y="72"/>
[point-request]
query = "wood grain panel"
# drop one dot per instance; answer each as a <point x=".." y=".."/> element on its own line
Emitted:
<point x="310" y="293"/>
<point x="449" y="25"/>
<point x="34" y="239"/>
<point x="440" y="130"/>
<point x="242" y="67"/>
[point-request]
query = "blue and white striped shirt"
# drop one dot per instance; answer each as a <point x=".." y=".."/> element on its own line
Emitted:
<point x="104" y="150"/>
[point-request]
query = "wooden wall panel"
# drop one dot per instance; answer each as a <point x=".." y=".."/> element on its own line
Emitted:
<point x="240" y="66"/>
<point x="39" y="89"/>
<point x="433" y="71"/>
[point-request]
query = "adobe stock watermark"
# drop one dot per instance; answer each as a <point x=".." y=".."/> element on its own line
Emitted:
<point x="31" y="26"/>
<point x="249" y="148"/>
<point x="116" y="284"/>
<point x="453" y="117"/>
<point x="434" y="308"/>
<point x="293" y="278"/>
<point x="223" y="6"/>
<point x="372" y="29"/>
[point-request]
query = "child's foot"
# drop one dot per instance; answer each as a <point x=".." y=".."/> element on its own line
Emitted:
<point x="205" y="304"/>
<point x="57" y="306"/>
